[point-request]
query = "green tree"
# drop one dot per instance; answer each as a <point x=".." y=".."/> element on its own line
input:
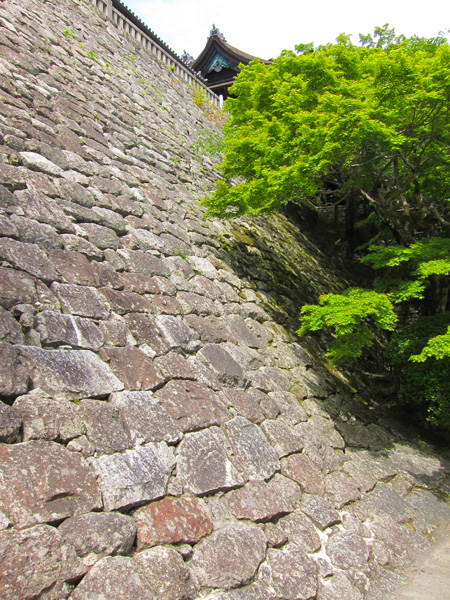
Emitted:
<point x="363" y="127"/>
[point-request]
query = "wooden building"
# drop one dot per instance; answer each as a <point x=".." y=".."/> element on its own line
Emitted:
<point x="218" y="63"/>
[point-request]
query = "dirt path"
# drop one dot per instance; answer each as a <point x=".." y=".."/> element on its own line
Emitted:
<point x="429" y="579"/>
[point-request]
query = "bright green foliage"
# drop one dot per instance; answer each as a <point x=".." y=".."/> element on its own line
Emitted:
<point x="421" y="382"/>
<point x="342" y="122"/>
<point x="349" y="314"/>
<point x="367" y="128"/>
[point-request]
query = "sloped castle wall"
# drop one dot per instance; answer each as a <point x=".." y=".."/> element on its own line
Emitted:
<point x="164" y="435"/>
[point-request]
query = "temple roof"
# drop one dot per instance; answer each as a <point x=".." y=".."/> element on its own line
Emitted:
<point x="219" y="62"/>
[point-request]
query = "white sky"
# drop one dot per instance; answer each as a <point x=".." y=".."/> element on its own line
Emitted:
<point x="265" y="28"/>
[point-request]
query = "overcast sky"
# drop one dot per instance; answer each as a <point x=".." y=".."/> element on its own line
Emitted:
<point x="264" y="28"/>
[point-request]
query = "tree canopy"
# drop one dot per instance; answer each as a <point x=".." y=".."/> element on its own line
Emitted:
<point x="365" y="127"/>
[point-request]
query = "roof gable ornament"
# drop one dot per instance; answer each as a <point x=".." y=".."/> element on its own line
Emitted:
<point x="216" y="31"/>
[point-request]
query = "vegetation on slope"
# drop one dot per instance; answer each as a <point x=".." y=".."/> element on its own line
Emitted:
<point x="365" y="128"/>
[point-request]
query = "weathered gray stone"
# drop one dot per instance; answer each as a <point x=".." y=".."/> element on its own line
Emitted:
<point x="384" y="501"/>
<point x="363" y="478"/>
<point x="300" y="531"/>
<point x="254" y="591"/>
<point x="432" y="510"/>
<point x="122" y="302"/>
<point x="289" y="407"/>
<point x="55" y="328"/>
<point x="203" y="463"/>
<point x="424" y="471"/>
<point x="75" y="268"/>
<point x="46" y="418"/>
<point x="302" y="470"/>
<point x="251" y="446"/>
<point x="271" y="379"/>
<point x="241" y="332"/>
<point x="36" y="162"/>
<point x="167" y="573"/>
<point x="42" y="482"/>
<point x="144" y="419"/>
<point x="134" y="477"/>
<point x="13" y="374"/>
<point x="246" y="404"/>
<point x="340" y="489"/>
<point x="282" y="437"/>
<point x="338" y="586"/>
<point x="290" y="572"/>
<point x="172" y="521"/>
<point x="77" y="373"/>
<point x="10" y="329"/>
<point x="143" y="262"/>
<point x="175" y="366"/>
<point x="223" y="365"/>
<point x="79" y="300"/>
<point x="376" y="463"/>
<point x="10" y="424"/>
<point x="103" y="425"/>
<point x="115" y="578"/>
<point x="145" y="331"/>
<point x="260" y="501"/>
<point x="203" y="266"/>
<point x="319" y="511"/>
<point x="36" y="562"/>
<point x="247" y="358"/>
<point x="192" y="405"/>
<point x="133" y="367"/>
<point x="229" y="557"/>
<point x="211" y="329"/>
<point x="359" y="435"/>
<point x="96" y="535"/>
<point x="177" y="334"/>
<point x="16" y="287"/>
<point x="318" y="430"/>
<point x="348" y="551"/>
<point x="27" y="257"/>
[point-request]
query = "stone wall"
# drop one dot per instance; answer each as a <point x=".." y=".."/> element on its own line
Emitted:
<point x="164" y="435"/>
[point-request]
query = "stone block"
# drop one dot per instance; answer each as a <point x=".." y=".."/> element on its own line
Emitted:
<point x="83" y="301"/>
<point x="27" y="257"/>
<point x="211" y="329"/>
<point x="259" y="501"/>
<point x="115" y="578"/>
<point x="35" y="561"/>
<point x="10" y="329"/>
<point x="229" y="558"/>
<point x="76" y="373"/>
<point x="300" y="531"/>
<point x="135" y="476"/>
<point x="144" y="419"/>
<point x="340" y="489"/>
<point x="223" y="365"/>
<point x="16" y="287"/>
<point x="56" y="328"/>
<point x="175" y="366"/>
<point x="184" y="520"/>
<point x="319" y="511"/>
<point x="48" y="419"/>
<point x="103" y="425"/>
<point x="133" y="367"/>
<point x="305" y="472"/>
<point x="241" y="332"/>
<point x="348" y="550"/>
<point x="192" y="405"/>
<point x="290" y="572"/>
<point x="249" y="444"/>
<point x="95" y="535"/>
<point x="10" y="424"/>
<point x="74" y="268"/>
<point x="122" y="302"/>
<point x="177" y="334"/>
<point x="246" y="403"/>
<point x="282" y="437"/>
<point x="13" y="374"/>
<point x="145" y="331"/>
<point x="42" y="482"/>
<point x="169" y="576"/>
<point x="203" y="463"/>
